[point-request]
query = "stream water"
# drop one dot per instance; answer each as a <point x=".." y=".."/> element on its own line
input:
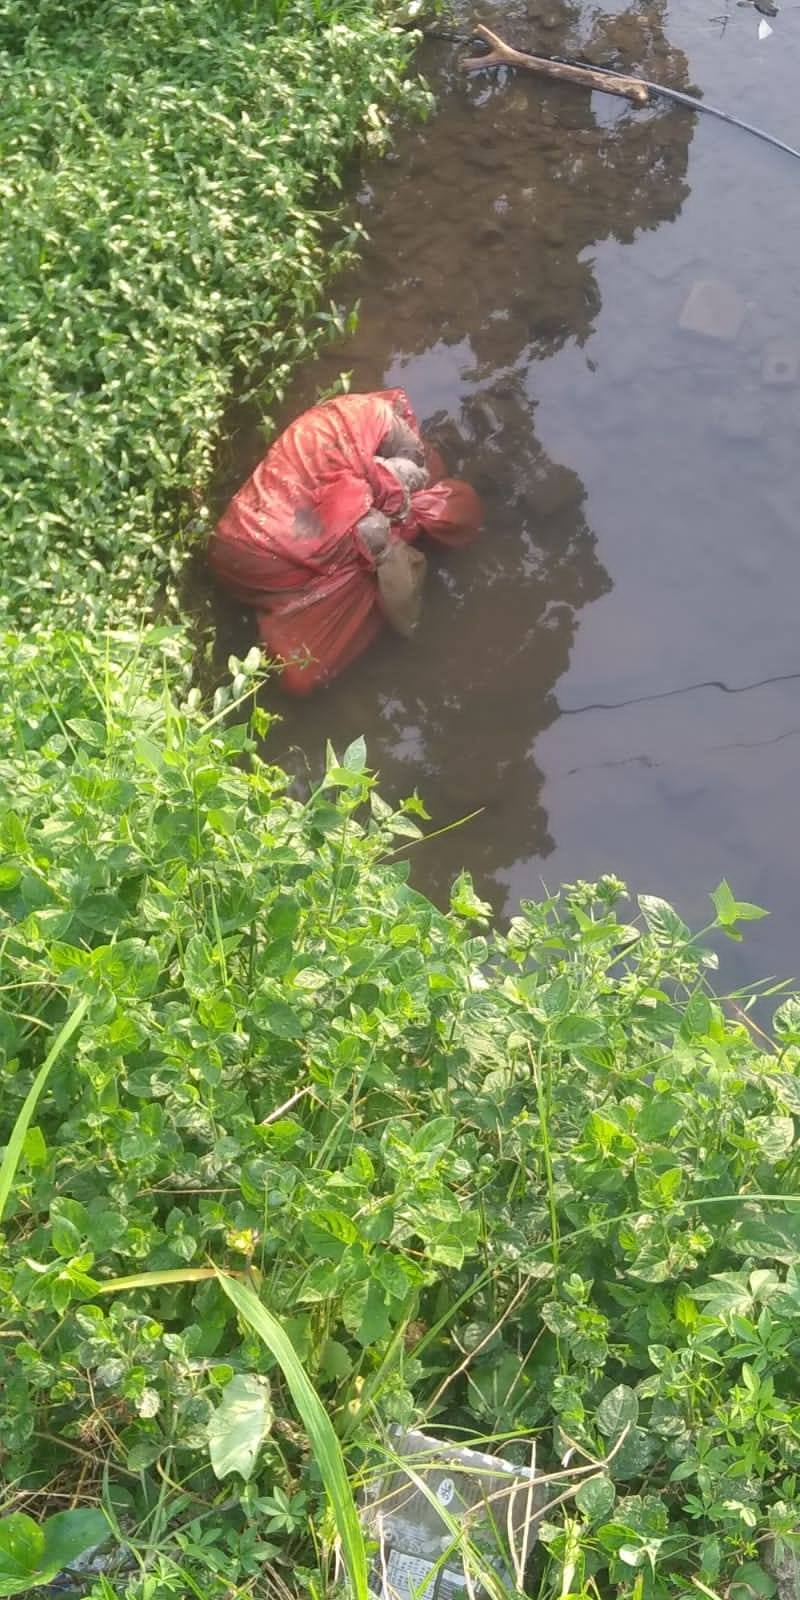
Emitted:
<point x="613" y="672"/>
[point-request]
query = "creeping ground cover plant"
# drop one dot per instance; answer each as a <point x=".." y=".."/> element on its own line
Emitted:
<point x="169" y="189"/>
<point x="292" y="1156"/>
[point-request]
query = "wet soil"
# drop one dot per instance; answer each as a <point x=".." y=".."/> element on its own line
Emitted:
<point x="612" y="674"/>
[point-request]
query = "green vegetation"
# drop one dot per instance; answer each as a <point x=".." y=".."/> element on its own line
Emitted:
<point x="290" y="1155"/>
<point x="526" y="1184"/>
<point x="165" y="235"/>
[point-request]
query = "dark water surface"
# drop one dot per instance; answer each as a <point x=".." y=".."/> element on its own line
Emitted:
<point x="613" y="672"/>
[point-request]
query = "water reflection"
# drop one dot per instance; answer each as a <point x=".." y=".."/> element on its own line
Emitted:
<point x="478" y="266"/>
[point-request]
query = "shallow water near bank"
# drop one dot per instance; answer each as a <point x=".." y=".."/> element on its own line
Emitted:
<point x="612" y="674"/>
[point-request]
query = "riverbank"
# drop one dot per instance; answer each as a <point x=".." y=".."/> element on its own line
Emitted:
<point x="530" y="1185"/>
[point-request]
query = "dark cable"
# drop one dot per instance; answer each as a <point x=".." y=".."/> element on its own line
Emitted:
<point x="700" y="105"/>
<point x="675" y="95"/>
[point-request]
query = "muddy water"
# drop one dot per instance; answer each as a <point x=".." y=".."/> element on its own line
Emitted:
<point x="613" y="673"/>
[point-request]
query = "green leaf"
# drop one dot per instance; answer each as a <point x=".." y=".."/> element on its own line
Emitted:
<point x="787" y="1021"/>
<point x="355" y="756"/>
<point x="617" y="1410"/>
<point x="730" y="910"/>
<point x="32" y="1554"/>
<point x="342" y="778"/>
<point x="329" y="1232"/>
<point x="16" y="1143"/>
<point x="575" y="1029"/>
<point x="595" y="1498"/>
<point x="364" y="1312"/>
<point x="554" y="999"/>
<point x="145" y="1452"/>
<point x="724" y="905"/>
<point x="658" y="1116"/>
<point x="65" y="1236"/>
<point x="710" y="1556"/>
<point x="768" y="1238"/>
<point x="664" y="923"/>
<point x="34" y="1148"/>
<point x="724" y="1294"/>
<point x="21" y="1552"/>
<point x="634" y="1555"/>
<point x="68" y="1534"/>
<point x="87" y="730"/>
<point x="635" y="1454"/>
<point x="751" y="1580"/>
<point x="434" y="1136"/>
<point x="239" y="1424"/>
<point x="697" y="1017"/>
<point x="282" y="1020"/>
<point x="335" y="1361"/>
<point x="773" y="1135"/>
<point x="149" y="755"/>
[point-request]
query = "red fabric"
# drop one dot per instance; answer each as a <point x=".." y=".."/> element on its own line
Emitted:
<point x="287" y="543"/>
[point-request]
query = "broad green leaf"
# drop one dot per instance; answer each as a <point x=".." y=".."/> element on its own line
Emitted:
<point x="697" y="1017"/>
<point x="342" y="778"/>
<point x="329" y="1232"/>
<point x="724" y="1294"/>
<point x="282" y="1020"/>
<point x="365" y="1312"/>
<point x="710" y="1556"/>
<point x="658" y="1116"/>
<point x="335" y="1361"/>
<point x="21" y="1552"/>
<point x="774" y="1237"/>
<point x="668" y="1184"/>
<point x="355" y="756"/>
<point x="555" y="997"/>
<point x="773" y="1135"/>
<point x="634" y="1555"/>
<point x="787" y="1020"/>
<point x="635" y="1454"/>
<point x="149" y="754"/>
<point x="238" y="1426"/>
<point x="87" y="730"/>
<point x="595" y="1498"/>
<point x="434" y="1136"/>
<point x="617" y="1410"/>
<point x="34" y="1148"/>
<point x="32" y="1554"/>
<point x="575" y="1029"/>
<point x="663" y="921"/>
<point x="724" y="904"/>
<point x="751" y="1580"/>
<point x="68" y="1534"/>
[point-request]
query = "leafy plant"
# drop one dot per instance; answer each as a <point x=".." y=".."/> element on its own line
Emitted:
<point x="170" y="183"/>
<point x="32" y="1555"/>
<point x="532" y="1185"/>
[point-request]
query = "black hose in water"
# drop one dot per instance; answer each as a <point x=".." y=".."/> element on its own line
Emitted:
<point x="694" y="104"/>
<point x="675" y="95"/>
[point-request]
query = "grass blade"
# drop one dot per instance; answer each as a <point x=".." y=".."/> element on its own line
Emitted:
<point x="157" y="1280"/>
<point x="13" y="1150"/>
<point x="317" y="1423"/>
<point x="326" y="1447"/>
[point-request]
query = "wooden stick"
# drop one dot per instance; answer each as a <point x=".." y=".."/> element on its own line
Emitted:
<point x="504" y="55"/>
